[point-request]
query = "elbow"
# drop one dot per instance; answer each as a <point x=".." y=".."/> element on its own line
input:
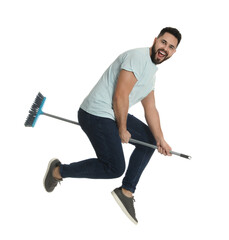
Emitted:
<point x="115" y="98"/>
<point x="119" y="98"/>
<point x="120" y="102"/>
<point x="115" y="102"/>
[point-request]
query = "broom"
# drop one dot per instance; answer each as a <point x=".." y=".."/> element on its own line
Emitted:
<point x="36" y="110"/>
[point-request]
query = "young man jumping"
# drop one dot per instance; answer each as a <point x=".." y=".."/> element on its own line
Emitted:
<point x="104" y="118"/>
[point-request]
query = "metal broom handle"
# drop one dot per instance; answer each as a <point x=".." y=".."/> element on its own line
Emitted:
<point x="155" y="147"/>
<point x="131" y="139"/>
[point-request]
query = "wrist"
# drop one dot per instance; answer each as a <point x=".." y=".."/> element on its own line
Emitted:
<point x="122" y="129"/>
<point x="159" y="139"/>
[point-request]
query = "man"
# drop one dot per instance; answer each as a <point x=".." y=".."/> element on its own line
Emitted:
<point x="104" y="117"/>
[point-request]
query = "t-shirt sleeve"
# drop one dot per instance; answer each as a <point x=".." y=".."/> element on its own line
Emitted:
<point x="133" y="62"/>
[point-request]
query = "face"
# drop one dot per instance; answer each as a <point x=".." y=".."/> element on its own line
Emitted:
<point x="163" y="48"/>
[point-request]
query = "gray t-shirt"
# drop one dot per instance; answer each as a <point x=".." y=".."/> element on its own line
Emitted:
<point x="138" y="61"/>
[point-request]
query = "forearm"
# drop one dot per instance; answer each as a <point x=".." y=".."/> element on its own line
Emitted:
<point x="125" y="84"/>
<point x="120" y="107"/>
<point x="153" y="121"/>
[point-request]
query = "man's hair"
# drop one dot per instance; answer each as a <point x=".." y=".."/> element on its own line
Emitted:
<point x="172" y="31"/>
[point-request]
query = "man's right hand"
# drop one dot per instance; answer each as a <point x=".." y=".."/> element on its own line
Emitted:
<point x="125" y="136"/>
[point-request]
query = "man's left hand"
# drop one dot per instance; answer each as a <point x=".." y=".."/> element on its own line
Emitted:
<point x="164" y="148"/>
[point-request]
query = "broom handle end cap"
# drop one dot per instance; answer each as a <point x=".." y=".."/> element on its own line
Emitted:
<point x="186" y="156"/>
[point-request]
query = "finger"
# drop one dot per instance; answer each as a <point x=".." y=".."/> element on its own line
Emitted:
<point x="127" y="139"/>
<point x="160" y="149"/>
<point x="168" y="152"/>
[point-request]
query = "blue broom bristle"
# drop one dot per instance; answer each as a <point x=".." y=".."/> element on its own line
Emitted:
<point x="35" y="110"/>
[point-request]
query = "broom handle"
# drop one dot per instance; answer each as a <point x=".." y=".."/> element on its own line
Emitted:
<point x="155" y="147"/>
<point x="60" y="118"/>
<point x="131" y="139"/>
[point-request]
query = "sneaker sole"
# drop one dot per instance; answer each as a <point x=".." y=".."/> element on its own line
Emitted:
<point x="123" y="207"/>
<point x="50" y="162"/>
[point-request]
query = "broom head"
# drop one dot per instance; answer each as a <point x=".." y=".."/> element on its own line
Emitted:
<point x="35" y="111"/>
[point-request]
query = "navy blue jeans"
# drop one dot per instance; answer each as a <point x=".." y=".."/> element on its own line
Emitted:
<point x="110" y="162"/>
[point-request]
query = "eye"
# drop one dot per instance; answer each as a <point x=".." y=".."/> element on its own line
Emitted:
<point x="163" y="41"/>
<point x="171" y="47"/>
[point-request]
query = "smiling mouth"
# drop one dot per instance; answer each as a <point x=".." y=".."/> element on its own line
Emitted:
<point x="162" y="53"/>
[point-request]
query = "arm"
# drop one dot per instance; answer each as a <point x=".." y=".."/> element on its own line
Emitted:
<point x="125" y="84"/>
<point x="153" y="121"/>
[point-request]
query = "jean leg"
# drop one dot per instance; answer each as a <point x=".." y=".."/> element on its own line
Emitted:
<point x="104" y="137"/>
<point x="141" y="154"/>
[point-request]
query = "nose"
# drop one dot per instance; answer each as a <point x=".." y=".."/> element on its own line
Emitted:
<point x="166" y="48"/>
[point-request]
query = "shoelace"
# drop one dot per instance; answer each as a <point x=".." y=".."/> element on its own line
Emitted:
<point x="59" y="180"/>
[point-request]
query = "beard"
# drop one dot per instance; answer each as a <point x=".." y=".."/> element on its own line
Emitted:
<point x="153" y="56"/>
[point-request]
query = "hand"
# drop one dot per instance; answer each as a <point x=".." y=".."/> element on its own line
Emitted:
<point x="164" y="148"/>
<point x="125" y="136"/>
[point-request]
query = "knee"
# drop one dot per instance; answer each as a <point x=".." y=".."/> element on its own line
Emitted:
<point x="145" y="151"/>
<point x="150" y="140"/>
<point x="118" y="170"/>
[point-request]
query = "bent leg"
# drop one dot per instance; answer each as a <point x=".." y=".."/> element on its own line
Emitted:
<point x="104" y="137"/>
<point x="141" y="154"/>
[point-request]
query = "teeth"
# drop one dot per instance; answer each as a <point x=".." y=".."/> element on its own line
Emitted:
<point x="163" y="53"/>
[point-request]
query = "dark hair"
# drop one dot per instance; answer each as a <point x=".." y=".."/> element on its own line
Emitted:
<point x="172" y="31"/>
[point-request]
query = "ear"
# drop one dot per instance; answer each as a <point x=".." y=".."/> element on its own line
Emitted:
<point x="155" y="39"/>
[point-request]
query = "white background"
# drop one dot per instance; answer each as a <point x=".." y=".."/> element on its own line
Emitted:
<point x="61" y="48"/>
